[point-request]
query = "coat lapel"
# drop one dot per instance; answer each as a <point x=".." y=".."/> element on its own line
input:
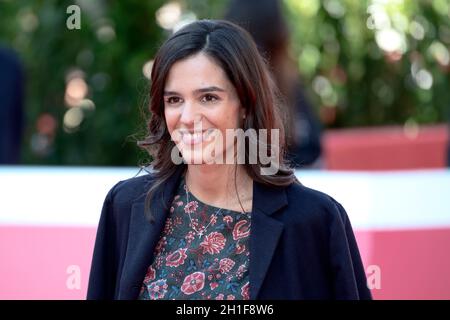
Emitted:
<point x="265" y="232"/>
<point x="143" y="237"/>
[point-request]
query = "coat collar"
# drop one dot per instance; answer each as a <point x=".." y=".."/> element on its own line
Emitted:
<point x="143" y="236"/>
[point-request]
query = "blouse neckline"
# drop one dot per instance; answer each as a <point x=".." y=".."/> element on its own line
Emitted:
<point x="192" y="197"/>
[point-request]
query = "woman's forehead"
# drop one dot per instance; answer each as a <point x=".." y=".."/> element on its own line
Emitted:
<point x="194" y="72"/>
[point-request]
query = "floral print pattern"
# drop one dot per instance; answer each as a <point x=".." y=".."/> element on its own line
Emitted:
<point x="213" y="243"/>
<point x="157" y="289"/>
<point x="177" y="258"/>
<point x="189" y="266"/>
<point x="193" y="283"/>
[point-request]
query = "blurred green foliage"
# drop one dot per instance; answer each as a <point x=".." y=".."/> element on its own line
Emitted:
<point x="364" y="63"/>
<point x="108" y="53"/>
<point x="374" y="62"/>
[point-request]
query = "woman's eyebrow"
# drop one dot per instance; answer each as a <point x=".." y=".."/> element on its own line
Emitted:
<point x="197" y="91"/>
<point x="209" y="89"/>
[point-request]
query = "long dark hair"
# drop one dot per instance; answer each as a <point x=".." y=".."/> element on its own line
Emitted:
<point x="273" y="44"/>
<point x="233" y="49"/>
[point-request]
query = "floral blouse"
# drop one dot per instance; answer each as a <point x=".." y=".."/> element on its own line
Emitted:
<point x="190" y="265"/>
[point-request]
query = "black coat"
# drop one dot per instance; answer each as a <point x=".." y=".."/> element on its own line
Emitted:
<point x="301" y="243"/>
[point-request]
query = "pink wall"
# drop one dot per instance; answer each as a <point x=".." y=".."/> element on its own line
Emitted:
<point x="414" y="264"/>
<point x="34" y="261"/>
<point x="386" y="148"/>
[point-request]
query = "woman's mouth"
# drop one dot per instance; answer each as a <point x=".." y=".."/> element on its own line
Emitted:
<point x="192" y="138"/>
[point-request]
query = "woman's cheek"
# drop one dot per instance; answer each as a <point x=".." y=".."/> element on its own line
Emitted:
<point x="170" y="121"/>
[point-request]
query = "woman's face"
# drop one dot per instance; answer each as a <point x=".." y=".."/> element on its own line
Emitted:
<point x="200" y="104"/>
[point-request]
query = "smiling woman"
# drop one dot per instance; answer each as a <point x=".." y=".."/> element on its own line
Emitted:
<point x="199" y="102"/>
<point x="207" y="78"/>
<point x="203" y="229"/>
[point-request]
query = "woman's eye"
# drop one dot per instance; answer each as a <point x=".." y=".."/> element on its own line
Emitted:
<point x="173" y="100"/>
<point x="209" y="98"/>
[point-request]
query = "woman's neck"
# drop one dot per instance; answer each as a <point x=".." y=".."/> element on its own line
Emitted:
<point x="215" y="185"/>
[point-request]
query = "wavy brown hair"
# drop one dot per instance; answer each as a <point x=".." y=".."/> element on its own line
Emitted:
<point x="232" y="48"/>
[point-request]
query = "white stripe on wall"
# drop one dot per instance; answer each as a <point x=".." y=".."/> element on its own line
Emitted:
<point x="73" y="196"/>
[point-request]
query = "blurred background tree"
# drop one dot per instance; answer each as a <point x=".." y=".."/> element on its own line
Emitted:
<point x="86" y="88"/>
<point x="374" y="62"/>
<point x="363" y="62"/>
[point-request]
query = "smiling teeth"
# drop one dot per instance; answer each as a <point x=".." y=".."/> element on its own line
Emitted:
<point x="194" y="138"/>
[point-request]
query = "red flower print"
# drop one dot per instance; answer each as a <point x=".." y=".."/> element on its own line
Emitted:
<point x="160" y="246"/>
<point x="159" y="261"/>
<point x="240" y="248"/>
<point x="179" y="203"/>
<point x="240" y="272"/>
<point x="213" y="285"/>
<point x="176" y="197"/>
<point x="150" y="276"/>
<point x="172" y="209"/>
<point x="213" y="243"/>
<point x="213" y="220"/>
<point x="190" y="236"/>
<point x="220" y="296"/>
<point x="193" y="283"/>
<point x="157" y="289"/>
<point x="245" y="291"/>
<point x="191" y="207"/>
<point x="240" y="230"/>
<point x="228" y="219"/>
<point x="194" y="224"/>
<point x="230" y="297"/>
<point x="226" y="265"/>
<point x="176" y="258"/>
<point x="168" y="228"/>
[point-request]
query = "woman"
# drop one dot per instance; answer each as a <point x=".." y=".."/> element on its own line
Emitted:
<point x="211" y="226"/>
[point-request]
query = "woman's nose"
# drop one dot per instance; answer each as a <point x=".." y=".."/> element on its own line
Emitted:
<point x="189" y="114"/>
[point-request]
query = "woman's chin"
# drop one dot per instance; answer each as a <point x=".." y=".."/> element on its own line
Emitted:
<point x="195" y="160"/>
<point x="205" y="155"/>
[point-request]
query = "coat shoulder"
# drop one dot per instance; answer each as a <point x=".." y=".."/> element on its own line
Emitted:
<point x="305" y="196"/>
<point x="130" y="190"/>
<point x="305" y="202"/>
